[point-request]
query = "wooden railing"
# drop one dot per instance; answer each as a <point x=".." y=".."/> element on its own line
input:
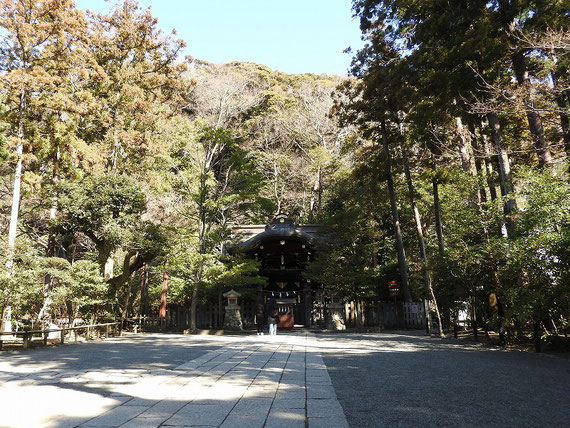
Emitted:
<point x="105" y="329"/>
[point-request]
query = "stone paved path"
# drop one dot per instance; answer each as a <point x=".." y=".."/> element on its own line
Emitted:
<point x="402" y="379"/>
<point x="247" y="381"/>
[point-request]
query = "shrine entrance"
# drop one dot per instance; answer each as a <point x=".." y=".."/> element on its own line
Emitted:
<point x="283" y="250"/>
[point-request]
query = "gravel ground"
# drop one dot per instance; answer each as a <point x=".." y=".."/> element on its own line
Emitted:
<point x="407" y="379"/>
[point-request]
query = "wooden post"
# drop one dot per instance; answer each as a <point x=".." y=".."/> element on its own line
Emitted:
<point x="107" y="330"/>
<point x="26" y="340"/>
<point x="426" y="314"/>
<point x="62" y="335"/>
<point x="455" y="326"/>
<point x="88" y="333"/>
<point x="537" y="344"/>
<point x="474" y="318"/>
<point x="45" y="337"/>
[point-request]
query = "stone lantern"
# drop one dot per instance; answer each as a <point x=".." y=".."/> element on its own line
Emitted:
<point x="232" y="320"/>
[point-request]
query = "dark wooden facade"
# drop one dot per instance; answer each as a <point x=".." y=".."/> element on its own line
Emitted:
<point x="283" y="249"/>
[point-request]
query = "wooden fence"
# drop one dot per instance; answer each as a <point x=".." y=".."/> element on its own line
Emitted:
<point x="360" y="313"/>
<point x="207" y="317"/>
<point x="26" y="337"/>
<point x="386" y="314"/>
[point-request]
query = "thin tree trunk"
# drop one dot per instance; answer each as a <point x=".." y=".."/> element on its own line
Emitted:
<point x="534" y="121"/>
<point x="109" y="268"/>
<point x="465" y="149"/>
<point x="489" y="159"/>
<point x="562" y="101"/>
<point x="144" y="291"/>
<point x="489" y="167"/>
<point x="421" y="241"/>
<point x="44" y="315"/>
<point x="15" y="201"/>
<point x="395" y="219"/>
<point x="275" y="186"/>
<point x="13" y="228"/>
<point x="565" y="124"/>
<point x="163" y="297"/>
<point x="437" y="211"/>
<point x="125" y="310"/>
<point x="315" y="205"/>
<point x="481" y="171"/>
<point x="201" y="252"/>
<point x="194" y="301"/>
<point x="504" y="173"/>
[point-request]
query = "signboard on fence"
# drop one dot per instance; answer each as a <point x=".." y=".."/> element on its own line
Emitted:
<point x="393" y="288"/>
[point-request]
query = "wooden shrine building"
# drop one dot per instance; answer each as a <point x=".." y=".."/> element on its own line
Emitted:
<point x="283" y="249"/>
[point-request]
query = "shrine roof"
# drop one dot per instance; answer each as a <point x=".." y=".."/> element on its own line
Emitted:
<point x="251" y="235"/>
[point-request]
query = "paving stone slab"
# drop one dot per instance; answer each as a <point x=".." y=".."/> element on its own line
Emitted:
<point x="333" y="422"/>
<point x="249" y="406"/>
<point x="164" y="408"/>
<point x="196" y="414"/>
<point x="324" y="408"/>
<point x="289" y="403"/>
<point x="285" y="418"/>
<point x="141" y="402"/>
<point x="244" y="421"/>
<point x="115" y="417"/>
<point x="140" y="422"/>
<point x="321" y="391"/>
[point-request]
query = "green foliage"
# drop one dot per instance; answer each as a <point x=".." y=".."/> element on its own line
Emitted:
<point x="540" y="251"/>
<point x="107" y="208"/>
<point x="353" y="257"/>
<point x="71" y="288"/>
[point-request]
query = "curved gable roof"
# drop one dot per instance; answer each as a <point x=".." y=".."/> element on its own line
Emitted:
<point x="282" y="227"/>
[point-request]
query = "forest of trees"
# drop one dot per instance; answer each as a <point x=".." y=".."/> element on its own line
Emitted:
<point x="441" y="161"/>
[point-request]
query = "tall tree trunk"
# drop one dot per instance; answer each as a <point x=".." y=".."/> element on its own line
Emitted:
<point x="395" y="218"/>
<point x="421" y="242"/>
<point x="562" y="100"/>
<point x="125" y="309"/>
<point x="164" y="295"/>
<point x="44" y="316"/>
<point x="194" y="301"/>
<point x="201" y="252"/>
<point x="534" y="121"/>
<point x="489" y="160"/>
<point x="437" y="210"/>
<point x="14" y="213"/>
<point x="465" y="149"/>
<point x="109" y="268"/>
<point x="144" y="309"/>
<point x="315" y="206"/>
<point x="275" y="186"/>
<point x="15" y="206"/>
<point x="479" y="168"/>
<point x="504" y="173"/>
<point x="489" y="167"/>
<point x="565" y="124"/>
